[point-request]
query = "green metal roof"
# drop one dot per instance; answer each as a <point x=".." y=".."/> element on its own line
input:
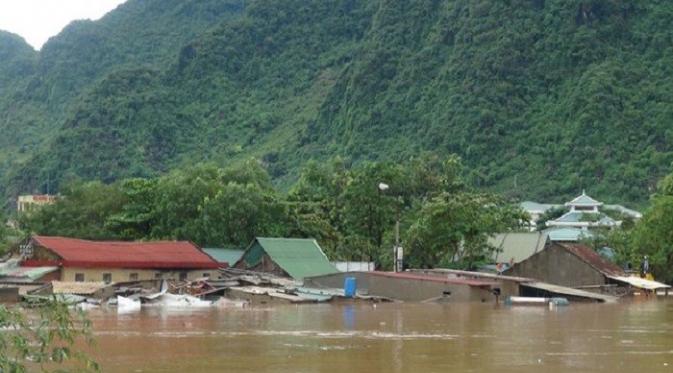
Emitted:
<point x="517" y="247"/>
<point x="230" y="256"/>
<point x="298" y="257"/>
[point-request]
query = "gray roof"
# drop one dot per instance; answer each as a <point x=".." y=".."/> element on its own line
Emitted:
<point x="534" y="206"/>
<point x="577" y="217"/>
<point x="567" y="234"/>
<point x="517" y="246"/>
<point x="584" y="200"/>
<point x="624" y="210"/>
<point x="570" y="217"/>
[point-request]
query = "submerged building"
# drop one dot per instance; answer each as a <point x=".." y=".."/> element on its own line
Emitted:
<point x="286" y="257"/>
<point x="114" y="261"/>
<point x="571" y="265"/>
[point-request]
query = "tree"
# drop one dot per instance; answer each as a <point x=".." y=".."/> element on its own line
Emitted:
<point x="653" y="236"/>
<point x="44" y="341"/>
<point x="370" y="211"/>
<point x="137" y="215"/>
<point x="82" y="210"/>
<point x="453" y="229"/>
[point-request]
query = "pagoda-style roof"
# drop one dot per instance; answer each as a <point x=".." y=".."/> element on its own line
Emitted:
<point x="576" y="218"/>
<point x="584" y="200"/>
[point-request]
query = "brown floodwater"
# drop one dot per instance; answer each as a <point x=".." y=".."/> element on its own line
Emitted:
<point x="627" y="337"/>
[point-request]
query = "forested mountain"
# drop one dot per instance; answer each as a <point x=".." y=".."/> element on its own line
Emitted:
<point x="45" y="87"/>
<point x="541" y="98"/>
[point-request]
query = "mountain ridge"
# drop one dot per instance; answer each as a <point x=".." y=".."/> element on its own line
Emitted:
<point x="540" y="98"/>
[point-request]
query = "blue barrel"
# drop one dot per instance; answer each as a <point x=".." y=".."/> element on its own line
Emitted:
<point x="350" y="287"/>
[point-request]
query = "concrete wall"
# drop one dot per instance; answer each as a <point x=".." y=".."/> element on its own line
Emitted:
<point x="411" y="290"/>
<point x="557" y="266"/>
<point x="124" y="275"/>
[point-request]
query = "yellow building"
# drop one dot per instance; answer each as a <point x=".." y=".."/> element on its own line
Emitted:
<point x="115" y="261"/>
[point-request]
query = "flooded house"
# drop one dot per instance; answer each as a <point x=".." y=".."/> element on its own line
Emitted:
<point x="412" y="287"/>
<point x="567" y="264"/>
<point x="578" y="266"/>
<point x="296" y="258"/>
<point x="114" y="261"/>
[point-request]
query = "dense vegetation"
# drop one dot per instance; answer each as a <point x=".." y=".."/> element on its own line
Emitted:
<point x="541" y="98"/>
<point x="39" y="91"/>
<point x="443" y="222"/>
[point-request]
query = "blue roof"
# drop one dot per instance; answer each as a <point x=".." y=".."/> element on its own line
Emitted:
<point x="230" y="256"/>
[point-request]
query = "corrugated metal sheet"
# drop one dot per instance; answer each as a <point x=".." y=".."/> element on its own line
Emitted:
<point x="230" y="256"/>
<point x="640" y="283"/>
<point x="300" y="258"/>
<point x="115" y="254"/>
<point x="13" y="271"/>
<point x="562" y="290"/>
<point x="79" y="288"/>
<point x="568" y="234"/>
<point x="592" y="258"/>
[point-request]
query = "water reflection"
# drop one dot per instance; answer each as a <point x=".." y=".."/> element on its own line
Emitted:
<point x="390" y="337"/>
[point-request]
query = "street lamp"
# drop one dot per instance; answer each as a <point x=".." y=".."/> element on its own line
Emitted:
<point x="397" y="249"/>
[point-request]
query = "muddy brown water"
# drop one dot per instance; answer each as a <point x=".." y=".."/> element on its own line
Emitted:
<point x="627" y="337"/>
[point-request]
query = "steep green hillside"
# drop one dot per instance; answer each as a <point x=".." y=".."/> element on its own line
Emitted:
<point x="139" y="33"/>
<point x="540" y="97"/>
<point x="18" y="60"/>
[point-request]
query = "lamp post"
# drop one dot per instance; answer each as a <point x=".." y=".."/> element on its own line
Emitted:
<point x="397" y="249"/>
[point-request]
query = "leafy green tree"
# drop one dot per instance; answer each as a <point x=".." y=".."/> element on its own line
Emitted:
<point x="237" y="214"/>
<point x="653" y="236"/>
<point x="82" y="210"/>
<point x="137" y="215"/>
<point x="44" y="339"/>
<point x="315" y="205"/>
<point x="453" y="229"/>
<point x="551" y="214"/>
<point x="368" y="210"/>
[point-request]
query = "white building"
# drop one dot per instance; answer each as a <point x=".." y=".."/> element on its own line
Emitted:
<point x="583" y="212"/>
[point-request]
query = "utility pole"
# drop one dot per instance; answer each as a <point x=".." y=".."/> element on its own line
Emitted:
<point x="397" y="249"/>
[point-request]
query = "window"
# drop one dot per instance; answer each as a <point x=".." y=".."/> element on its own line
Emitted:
<point x="206" y="275"/>
<point x="157" y="275"/>
<point x="107" y="278"/>
<point x="79" y="277"/>
<point x="133" y="277"/>
<point x="183" y="276"/>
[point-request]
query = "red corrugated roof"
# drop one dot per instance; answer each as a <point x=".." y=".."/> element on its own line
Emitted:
<point x="592" y="258"/>
<point x="138" y="255"/>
